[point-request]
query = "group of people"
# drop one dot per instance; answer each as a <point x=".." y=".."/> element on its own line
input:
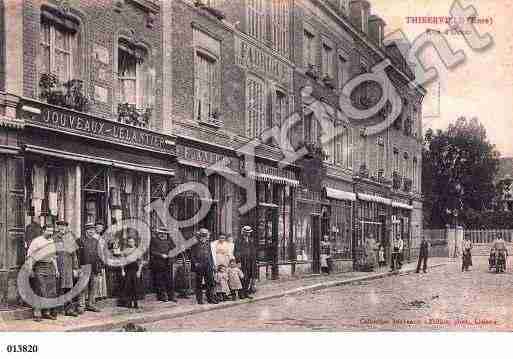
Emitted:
<point x="223" y="269"/>
<point x="55" y="259"/>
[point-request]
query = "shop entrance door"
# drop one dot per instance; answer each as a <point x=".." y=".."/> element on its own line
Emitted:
<point x="94" y="204"/>
<point x="267" y="232"/>
<point x="316" y="243"/>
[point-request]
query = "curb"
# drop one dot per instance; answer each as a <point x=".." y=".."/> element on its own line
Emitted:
<point x="150" y="318"/>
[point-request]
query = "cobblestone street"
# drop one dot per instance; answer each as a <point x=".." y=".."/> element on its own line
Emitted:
<point x="443" y="299"/>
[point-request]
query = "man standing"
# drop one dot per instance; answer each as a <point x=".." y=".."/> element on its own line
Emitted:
<point x="203" y="265"/>
<point x="162" y="266"/>
<point x="41" y="256"/>
<point x="90" y="255"/>
<point x="67" y="263"/>
<point x="397" y="250"/>
<point x="466" y="259"/>
<point x="423" y="255"/>
<point x="245" y="252"/>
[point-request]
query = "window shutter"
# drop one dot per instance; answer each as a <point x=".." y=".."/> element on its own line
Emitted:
<point x="140" y="75"/>
<point x="76" y="70"/>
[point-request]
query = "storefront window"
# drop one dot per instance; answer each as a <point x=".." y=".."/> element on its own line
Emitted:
<point x="341" y="229"/>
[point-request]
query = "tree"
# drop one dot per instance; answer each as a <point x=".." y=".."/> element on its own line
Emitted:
<point x="459" y="166"/>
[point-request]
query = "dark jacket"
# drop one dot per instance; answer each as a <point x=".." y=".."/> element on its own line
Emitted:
<point x="246" y="253"/>
<point x="89" y="254"/>
<point x="201" y="256"/>
<point x="424" y="248"/>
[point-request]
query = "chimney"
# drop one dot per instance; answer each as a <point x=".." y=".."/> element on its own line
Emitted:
<point x="359" y="14"/>
<point x="376" y="29"/>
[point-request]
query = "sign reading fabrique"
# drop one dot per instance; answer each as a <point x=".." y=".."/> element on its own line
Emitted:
<point x="251" y="57"/>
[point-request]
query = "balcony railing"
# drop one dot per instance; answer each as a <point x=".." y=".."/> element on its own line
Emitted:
<point x="68" y="94"/>
<point x="129" y="114"/>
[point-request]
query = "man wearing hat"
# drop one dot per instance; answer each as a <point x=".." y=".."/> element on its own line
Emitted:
<point x="90" y="256"/>
<point x="203" y="265"/>
<point x="245" y="252"/>
<point x="162" y="266"/>
<point x="67" y="263"/>
<point x="42" y="261"/>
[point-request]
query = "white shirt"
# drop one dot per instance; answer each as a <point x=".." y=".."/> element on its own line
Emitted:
<point x="42" y="250"/>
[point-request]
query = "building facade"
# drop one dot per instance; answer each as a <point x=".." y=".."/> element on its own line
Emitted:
<point x="83" y="133"/>
<point x="108" y="105"/>
<point x="242" y="68"/>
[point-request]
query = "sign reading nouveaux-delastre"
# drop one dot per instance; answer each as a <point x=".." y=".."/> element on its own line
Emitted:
<point x="97" y="128"/>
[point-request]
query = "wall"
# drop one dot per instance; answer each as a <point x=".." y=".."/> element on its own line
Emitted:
<point x="101" y="24"/>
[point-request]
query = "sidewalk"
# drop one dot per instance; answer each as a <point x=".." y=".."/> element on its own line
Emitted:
<point x="113" y="317"/>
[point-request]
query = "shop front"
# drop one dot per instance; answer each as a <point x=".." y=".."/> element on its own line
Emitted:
<point x="83" y="169"/>
<point x="401" y="225"/>
<point x="339" y="228"/>
<point x="222" y="217"/>
<point x="371" y="227"/>
<point x="272" y="218"/>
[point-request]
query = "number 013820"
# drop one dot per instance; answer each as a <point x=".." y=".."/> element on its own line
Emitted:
<point x="22" y="348"/>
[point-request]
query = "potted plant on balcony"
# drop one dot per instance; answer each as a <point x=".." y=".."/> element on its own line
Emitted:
<point x="363" y="171"/>
<point x="51" y="90"/>
<point x="74" y="97"/>
<point x="312" y="71"/>
<point x="328" y="81"/>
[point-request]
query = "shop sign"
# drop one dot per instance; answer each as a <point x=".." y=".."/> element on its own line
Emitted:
<point x="205" y="158"/>
<point x="264" y="169"/>
<point x="251" y="57"/>
<point x="96" y="128"/>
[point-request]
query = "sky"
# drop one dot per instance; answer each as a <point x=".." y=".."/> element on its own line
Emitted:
<point x="482" y="86"/>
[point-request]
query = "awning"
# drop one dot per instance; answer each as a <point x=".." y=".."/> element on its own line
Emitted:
<point x="98" y="160"/>
<point x="209" y="168"/>
<point x="401" y="205"/>
<point x="341" y="195"/>
<point x="372" y="198"/>
<point x="274" y="179"/>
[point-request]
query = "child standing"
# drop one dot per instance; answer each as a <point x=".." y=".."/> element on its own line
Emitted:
<point x="222" y="288"/>
<point x="235" y="277"/>
<point x="381" y="255"/>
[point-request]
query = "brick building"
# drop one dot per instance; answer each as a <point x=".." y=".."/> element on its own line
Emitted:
<point x="167" y="89"/>
<point x="240" y="68"/>
<point x="83" y="136"/>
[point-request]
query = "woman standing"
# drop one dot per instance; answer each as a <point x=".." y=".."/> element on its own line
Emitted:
<point x="132" y="274"/>
<point x="466" y="261"/>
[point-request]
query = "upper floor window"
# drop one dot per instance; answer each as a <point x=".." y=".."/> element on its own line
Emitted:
<point x="135" y="84"/>
<point x="415" y="175"/>
<point x="396" y="161"/>
<point x="365" y="19"/>
<point x="256" y="107"/>
<point x="257" y="19"/>
<point x="206" y="92"/>
<point x="344" y="6"/>
<point x="380" y="155"/>
<point x="343" y="71"/>
<point x="343" y="146"/>
<point x="327" y="61"/>
<point x="57" y="50"/>
<point x="280" y="108"/>
<point x="309" y="49"/>
<point x="279" y="19"/>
